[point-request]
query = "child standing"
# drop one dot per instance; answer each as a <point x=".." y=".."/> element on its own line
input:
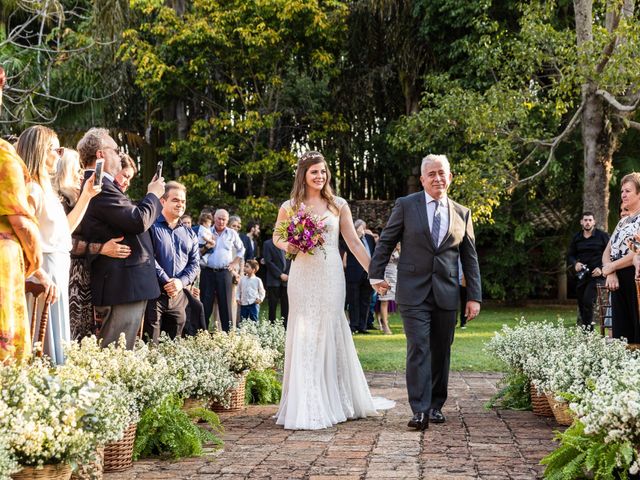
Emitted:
<point x="250" y="293"/>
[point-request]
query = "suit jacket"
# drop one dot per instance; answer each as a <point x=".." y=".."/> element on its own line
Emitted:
<point x="250" y="253"/>
<point x="354" y="273"/>
<point x="111" y="214"/>
<point x="276" y="264"/>
<point x="422" y="268"/>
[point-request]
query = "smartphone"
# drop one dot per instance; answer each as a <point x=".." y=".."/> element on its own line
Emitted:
<point x="99" y="171"/>
<point x="159" y="170"/>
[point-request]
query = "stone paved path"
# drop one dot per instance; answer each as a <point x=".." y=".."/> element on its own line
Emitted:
<point x="474" y="443"/>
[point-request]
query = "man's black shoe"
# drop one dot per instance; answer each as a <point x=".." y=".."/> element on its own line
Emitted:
<point x="436" y="416"/>
<point x="363" y="331"/>
<point x="419" y="421"/>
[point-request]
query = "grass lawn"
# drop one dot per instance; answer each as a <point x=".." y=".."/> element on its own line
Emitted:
<point x="379" y="352"/>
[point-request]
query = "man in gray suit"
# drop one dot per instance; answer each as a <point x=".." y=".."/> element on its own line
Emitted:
<point x="434" y="232"/>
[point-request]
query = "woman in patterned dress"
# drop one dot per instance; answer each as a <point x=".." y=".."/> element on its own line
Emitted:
<point x="20" y="252"/>
<point x="617" y="264"/>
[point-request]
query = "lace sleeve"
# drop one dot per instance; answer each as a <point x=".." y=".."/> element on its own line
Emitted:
<point x="81" y="248"/>
<point x="340" y="202"/>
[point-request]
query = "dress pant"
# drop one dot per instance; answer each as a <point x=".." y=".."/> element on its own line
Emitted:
<point x="277" y="295"/>
<point x="117" y="319"/>
<point x="216" y="283"/>
<point x="195" y="315"/>
<point x="586" y="291"/>
<point x="166" y="314"/>
<point x="429" y="333"/>
<point x="359" y="299"/>
<point x="624" y="307"/>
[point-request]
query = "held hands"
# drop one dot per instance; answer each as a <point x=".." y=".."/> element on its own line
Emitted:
<point x="284" y="277"/>
<point x="381" y="287"/>
<point x="116" y="250"/>
<point x="156" y="186"/>
<point x="597" y="272"/>
<point x="173" y="287"/>
<point x="472" y="310"/>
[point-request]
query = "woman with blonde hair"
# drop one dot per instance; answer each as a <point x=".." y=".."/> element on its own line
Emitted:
<point x="617" y="264"/>
<point x="323" y="382"/>
<point x="40" y="148"/>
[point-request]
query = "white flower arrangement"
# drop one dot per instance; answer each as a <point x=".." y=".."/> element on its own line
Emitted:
<point x="271" y="335"/>
<point x="146" y="378"/>
<point x="44" y="418"/>
<point x="611" y="403"/>
<point x="525" y="348"/>
<point x="200" y="369"/>
<point x="242" y="351"/>
<point x="581" y="360"/>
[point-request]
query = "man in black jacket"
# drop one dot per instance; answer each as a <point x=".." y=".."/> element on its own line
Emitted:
<point x="277" y="267"/>
<point x="585" y="259"/>
<point x="120" y="287"/>
<point x="359" y="289"/>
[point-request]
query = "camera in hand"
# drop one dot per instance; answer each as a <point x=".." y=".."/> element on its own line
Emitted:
<point x="583" y="273"/>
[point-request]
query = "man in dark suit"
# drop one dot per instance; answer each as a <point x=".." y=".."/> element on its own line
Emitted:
<point x="250" y="240"/>
<point x="120" y="287"/>
<point x="358" y="287"/>
<point x="277" y="276"/>
<point x="434" y="232"/>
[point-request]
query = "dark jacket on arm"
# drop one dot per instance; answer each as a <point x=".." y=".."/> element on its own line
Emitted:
<point x="111" y="214"/>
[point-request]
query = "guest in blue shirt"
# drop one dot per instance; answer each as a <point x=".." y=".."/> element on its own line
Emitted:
<point x="175" y="248"/>
<point x="217" y="275"/>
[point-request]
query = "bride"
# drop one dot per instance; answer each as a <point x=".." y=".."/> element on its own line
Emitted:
<point x="323" y="381"/>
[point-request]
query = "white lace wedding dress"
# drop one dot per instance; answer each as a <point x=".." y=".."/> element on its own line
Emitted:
<point x="323" y="381"/>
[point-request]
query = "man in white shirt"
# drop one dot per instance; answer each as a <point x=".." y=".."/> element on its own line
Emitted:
<point x="216" y="276"/>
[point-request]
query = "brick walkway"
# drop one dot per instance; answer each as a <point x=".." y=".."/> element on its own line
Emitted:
<point x="474" y="443"/>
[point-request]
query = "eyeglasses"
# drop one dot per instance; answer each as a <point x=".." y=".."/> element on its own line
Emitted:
<point x="116" y="150"/>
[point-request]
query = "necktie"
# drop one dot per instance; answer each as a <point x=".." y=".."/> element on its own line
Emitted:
<point x="435" y="224"/>
<point x="366" y="244"/>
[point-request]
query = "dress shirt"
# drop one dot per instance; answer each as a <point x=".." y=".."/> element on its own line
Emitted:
<point x="222" y="254"/>
<point x="443" y="208"/>
<point x="363" y="239"/>
<point x="175" y="251"/>
<point x="250" y="290"/>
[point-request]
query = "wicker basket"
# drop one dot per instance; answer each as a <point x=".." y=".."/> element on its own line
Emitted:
<point x="540" y="403"/>
<point x="118" y="456"/>
<point x="49" y="472"/>
<point x="90" y="471"/>
<point x="237" y="397"/>
<point x="560" y="411"/>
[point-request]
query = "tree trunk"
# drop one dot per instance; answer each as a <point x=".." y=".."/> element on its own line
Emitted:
<point x="599" y="144"/>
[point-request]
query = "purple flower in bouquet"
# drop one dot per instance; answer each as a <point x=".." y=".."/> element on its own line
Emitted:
<point x="303" y="230"/>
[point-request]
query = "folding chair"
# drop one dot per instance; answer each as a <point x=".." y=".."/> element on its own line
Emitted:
<point x="603" y="308"/>
<point x="36" y="290"/>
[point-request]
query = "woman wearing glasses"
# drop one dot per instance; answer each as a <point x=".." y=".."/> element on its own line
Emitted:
<point x="40" y="149"/>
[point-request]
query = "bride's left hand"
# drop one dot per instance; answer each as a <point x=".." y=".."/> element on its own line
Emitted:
<point x="292" y="249"/>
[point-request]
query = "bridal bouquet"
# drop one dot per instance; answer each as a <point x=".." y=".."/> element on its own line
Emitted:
<point x="303" y="230"/>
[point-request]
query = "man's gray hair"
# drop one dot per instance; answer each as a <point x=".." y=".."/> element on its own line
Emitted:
<point x="358" y="223"/>
<point x="90" y="143"/>
<point x="435" y="158"/>
<point x="219" y="212"/>
<point x="235" y="218"/>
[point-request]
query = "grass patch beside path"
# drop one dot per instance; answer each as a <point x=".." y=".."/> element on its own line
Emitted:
<point x="383" y="353"/>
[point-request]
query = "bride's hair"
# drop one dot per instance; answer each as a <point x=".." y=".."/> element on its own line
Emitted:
<point x="305" y="161"/>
